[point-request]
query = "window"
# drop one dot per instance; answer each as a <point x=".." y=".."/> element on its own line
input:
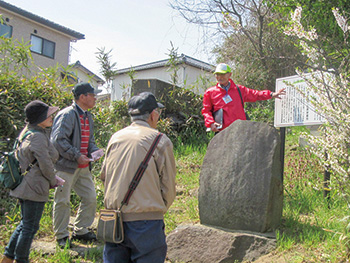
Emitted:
<point x="42" y="46"/>
<point x="5" y="30"/>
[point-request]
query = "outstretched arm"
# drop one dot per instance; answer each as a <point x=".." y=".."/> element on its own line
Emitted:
<point x="278" y="94"/>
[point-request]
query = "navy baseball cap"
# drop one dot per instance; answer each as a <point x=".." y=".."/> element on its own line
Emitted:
<point x="143" y="103"/>
<point x="84" y="88"/>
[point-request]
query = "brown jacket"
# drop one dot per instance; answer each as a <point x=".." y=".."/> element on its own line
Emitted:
<point x="36" y="183"/>
<point x="156" y="191"/>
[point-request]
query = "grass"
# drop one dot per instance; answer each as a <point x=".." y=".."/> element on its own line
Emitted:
<point x="185" y="207"/>
<point x="313" y="229"/>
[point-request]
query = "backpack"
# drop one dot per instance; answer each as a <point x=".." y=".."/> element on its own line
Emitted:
<point x="10" y="171"/>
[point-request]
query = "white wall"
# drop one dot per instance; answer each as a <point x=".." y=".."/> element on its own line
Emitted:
<point x="186" y="72"/>
<point x="83" y="77"/>
<point x="121" y="87"/>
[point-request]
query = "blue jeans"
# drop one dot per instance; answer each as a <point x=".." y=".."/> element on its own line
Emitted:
<point x="21" y="240"/>
<point x="144" y="242"/>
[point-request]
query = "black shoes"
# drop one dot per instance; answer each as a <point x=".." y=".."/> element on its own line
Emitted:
<point x="64" y="243"/>
<point x="89" y="236"/>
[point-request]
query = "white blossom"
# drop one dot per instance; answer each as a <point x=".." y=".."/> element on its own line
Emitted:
<point x="228" y="20"/>
<point x="297" y="29"/>
<point x="342" y="22"/>
<point x="332" y="100"/>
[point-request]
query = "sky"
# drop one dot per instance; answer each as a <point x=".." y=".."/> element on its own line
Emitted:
<point x="138" y="31"/>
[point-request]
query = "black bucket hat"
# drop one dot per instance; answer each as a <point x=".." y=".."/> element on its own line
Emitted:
<point x="37" y="111"/>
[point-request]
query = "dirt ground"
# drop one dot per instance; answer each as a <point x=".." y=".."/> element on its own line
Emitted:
<point x="273" y="257"/>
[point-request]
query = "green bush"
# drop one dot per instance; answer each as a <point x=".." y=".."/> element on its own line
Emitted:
<point x="108" y="120"/>
<point x="19" y="86"/>
<point x="18" y="89"/>
<point x="183" y="121"/>
<point x="262" y="111"/>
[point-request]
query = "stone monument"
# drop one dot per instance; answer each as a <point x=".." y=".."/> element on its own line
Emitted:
<point x="240" y="186"/>
<point x="240" y="198"/>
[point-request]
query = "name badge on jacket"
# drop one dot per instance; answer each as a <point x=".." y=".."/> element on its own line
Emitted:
<point x="227" y="98"/>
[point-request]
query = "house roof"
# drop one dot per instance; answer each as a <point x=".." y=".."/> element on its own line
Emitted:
<point x="74" y="34"/>
<point x="183" y="59"/>
<point x="88" y="72"/>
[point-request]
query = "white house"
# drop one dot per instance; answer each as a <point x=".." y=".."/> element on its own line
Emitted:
<point x="190" y="69"/>
<point x="85" y="75"/>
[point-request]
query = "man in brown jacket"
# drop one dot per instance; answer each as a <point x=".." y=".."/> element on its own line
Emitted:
<point x="144" y="237"/>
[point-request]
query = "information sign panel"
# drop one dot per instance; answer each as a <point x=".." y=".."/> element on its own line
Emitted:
<point x="294" y="109"/>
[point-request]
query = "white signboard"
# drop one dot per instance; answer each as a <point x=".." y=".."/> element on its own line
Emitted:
<point x="294" y="109"/>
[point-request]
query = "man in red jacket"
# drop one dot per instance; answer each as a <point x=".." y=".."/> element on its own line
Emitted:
<point x="225" y="95"/>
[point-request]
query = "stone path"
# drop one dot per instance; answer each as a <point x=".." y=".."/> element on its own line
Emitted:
<point x="47" y="245"/>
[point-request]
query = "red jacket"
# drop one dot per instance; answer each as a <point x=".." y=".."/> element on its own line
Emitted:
<point x="213" y="100"/>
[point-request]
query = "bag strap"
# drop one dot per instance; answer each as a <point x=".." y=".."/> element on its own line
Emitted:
<point x="30" y="166"/>
<point x="142" y="168"/>
<point x="18" y="143"/>
<point x="19" y="140"/>
<point x="240" y="94"/>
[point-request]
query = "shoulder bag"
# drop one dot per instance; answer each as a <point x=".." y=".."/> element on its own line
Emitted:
<point x="110" y="222"/>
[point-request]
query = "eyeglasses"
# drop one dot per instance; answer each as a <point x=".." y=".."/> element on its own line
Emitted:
<point x="158" y="110"/>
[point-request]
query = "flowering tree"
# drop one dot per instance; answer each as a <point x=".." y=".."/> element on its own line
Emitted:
<point x="327" y="74"/>
<point x="243" y="34"/>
